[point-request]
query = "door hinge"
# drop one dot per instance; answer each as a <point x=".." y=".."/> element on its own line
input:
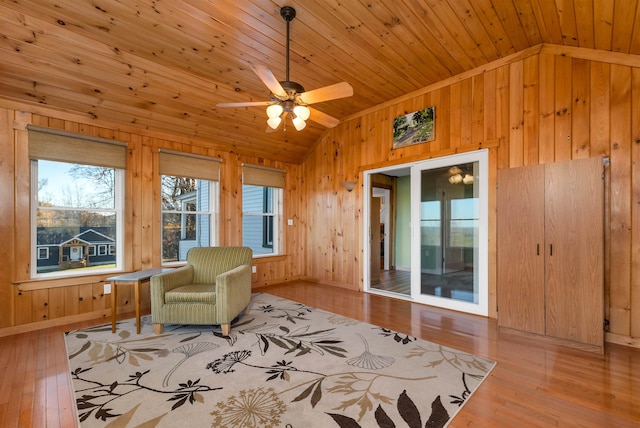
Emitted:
<point x="605" y="325"/>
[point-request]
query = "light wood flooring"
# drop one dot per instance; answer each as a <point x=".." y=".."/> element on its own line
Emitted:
<point x="535" y="384"/>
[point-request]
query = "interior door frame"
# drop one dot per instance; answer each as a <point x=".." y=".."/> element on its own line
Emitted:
<point x="386" y="220"/>
<point x="481" y="156"/>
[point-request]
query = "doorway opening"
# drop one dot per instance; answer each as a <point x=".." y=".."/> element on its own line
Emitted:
<point x="426" y="232"/>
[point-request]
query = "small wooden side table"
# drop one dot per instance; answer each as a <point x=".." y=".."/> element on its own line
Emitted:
<point x="136" y="278"/>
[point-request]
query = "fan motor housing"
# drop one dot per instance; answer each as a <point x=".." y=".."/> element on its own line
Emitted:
<point x="292" y="88"/>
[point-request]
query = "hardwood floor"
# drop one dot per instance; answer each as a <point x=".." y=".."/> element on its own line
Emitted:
<point x="534" y="384"/>
<point x="399" y="281"/>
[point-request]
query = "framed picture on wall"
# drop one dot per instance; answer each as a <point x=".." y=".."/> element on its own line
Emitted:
<point x="414" y="128"/>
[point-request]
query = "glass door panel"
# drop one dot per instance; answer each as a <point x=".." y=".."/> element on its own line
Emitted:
<point x="447" y="251"/>
<point x="431" y="236"/>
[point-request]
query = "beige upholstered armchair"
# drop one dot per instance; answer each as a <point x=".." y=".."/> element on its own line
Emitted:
<point x="213" y="288"/>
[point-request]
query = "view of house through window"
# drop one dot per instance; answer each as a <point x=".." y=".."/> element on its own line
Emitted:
<point x="261" y="208"/>
<point x="76" y="218"/>
<point x="188" y="216"/>
<point x="260" y="218"/>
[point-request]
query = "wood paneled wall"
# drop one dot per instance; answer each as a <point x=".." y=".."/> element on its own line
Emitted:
<point x="547" y="105"/>
<point x="26" y="304"/>
<point x="542" y="105"/>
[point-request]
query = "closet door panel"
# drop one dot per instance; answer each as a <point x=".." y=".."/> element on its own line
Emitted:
<point x="574" y="250"/>
<point x="520" y="258"/>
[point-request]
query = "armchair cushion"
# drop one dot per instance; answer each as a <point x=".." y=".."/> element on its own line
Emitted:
<point x="192" y="293"/>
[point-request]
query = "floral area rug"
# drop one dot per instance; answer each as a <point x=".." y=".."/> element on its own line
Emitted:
<point x="284" y="364"/>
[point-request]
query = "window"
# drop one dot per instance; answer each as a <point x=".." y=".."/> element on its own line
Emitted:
<point x="464" y="221"/>
<point x="43" y="253"/>
<point x="189" y="192"/>
<point x="261" y="207"/>
<point x="77" y="189"/>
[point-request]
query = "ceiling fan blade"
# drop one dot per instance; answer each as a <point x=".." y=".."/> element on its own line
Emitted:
<point x="331" y="92"/>
<point x="323" y="118"/>
<point x="270" y="81"/>
<point x="247" y="104"/>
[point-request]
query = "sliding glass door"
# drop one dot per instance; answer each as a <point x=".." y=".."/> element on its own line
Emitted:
<point x="449" y="240"/>
<point x="447" y="243"/>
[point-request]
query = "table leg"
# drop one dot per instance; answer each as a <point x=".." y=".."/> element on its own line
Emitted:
<point x="137" y="303"/>
<point x="114" y="305"/>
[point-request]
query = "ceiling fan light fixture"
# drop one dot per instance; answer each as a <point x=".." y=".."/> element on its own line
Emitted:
<point x="289" y="97"/>
<point x="274" y="122"/>
<point x="302" y="112"/>
<point x="455" y="179"/>
<point x="299" y="123"/>
<point x="274" y="111"/>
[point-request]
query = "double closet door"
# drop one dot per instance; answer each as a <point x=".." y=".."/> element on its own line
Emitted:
<point x="550" y="250"/>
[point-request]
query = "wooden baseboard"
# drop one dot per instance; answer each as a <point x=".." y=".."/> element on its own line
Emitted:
<point x="40" y="325"/>
<point x="332" y="283"/>
<point x="554" y="340"/>
<point x="260" y="284"/>
<point x="620" y="339"/>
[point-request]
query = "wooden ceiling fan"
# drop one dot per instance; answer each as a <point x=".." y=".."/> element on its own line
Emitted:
<point x="290" y="98"/>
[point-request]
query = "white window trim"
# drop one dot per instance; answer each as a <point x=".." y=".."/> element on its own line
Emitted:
<point x="277" y="222"/>
<point x="46" y="250"/>
<point x="119" y="209"/>
<point x="214" y="202"/>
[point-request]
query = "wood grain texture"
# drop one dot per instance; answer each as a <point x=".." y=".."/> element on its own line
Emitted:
<point x="574" y="224"/>
<point x="620" y="200"/>
<point x="564" y="84"/>
<point x="520" y="254"/>
<point x="164" y="66"/>
<point x="326" y="242"/>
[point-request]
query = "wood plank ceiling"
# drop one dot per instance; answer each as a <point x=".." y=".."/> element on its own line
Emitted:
<point x="164" y="64"/>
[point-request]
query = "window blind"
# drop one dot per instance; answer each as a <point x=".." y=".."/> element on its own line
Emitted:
<point x="62" y="146"/>
<point x="186" y="165"/>
<point x="262" y="176"/>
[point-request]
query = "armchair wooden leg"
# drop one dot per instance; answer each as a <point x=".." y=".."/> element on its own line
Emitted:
<point x="226" y="329"/>
<point x="158" y="328"/>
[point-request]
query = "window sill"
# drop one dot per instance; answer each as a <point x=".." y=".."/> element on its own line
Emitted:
<point x="44" y="283"/>
<point x="268" y="258"/>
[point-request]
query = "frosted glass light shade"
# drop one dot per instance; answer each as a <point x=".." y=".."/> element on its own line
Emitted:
<point x="302" y="112"/>
<point x="455" y="179"/>
<point x="274" y="111"/>
<point x="299" y="123"/>
<point x="274" y="122"/>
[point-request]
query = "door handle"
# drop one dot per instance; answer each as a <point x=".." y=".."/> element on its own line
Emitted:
<point x="537" y="249"/>
<point x="551" y="249"/>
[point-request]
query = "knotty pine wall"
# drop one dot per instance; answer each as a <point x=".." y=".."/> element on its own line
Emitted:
<point x="543" y="105"/>
<point x="28" y="305"/>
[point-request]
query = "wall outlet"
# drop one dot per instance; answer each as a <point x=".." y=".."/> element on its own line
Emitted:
<point x="107" y="288"/>
<point x="253" y="269"/>
<point x="290" y="222"/>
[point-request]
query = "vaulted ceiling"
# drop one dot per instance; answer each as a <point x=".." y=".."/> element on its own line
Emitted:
<point x="163" y="65"/>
